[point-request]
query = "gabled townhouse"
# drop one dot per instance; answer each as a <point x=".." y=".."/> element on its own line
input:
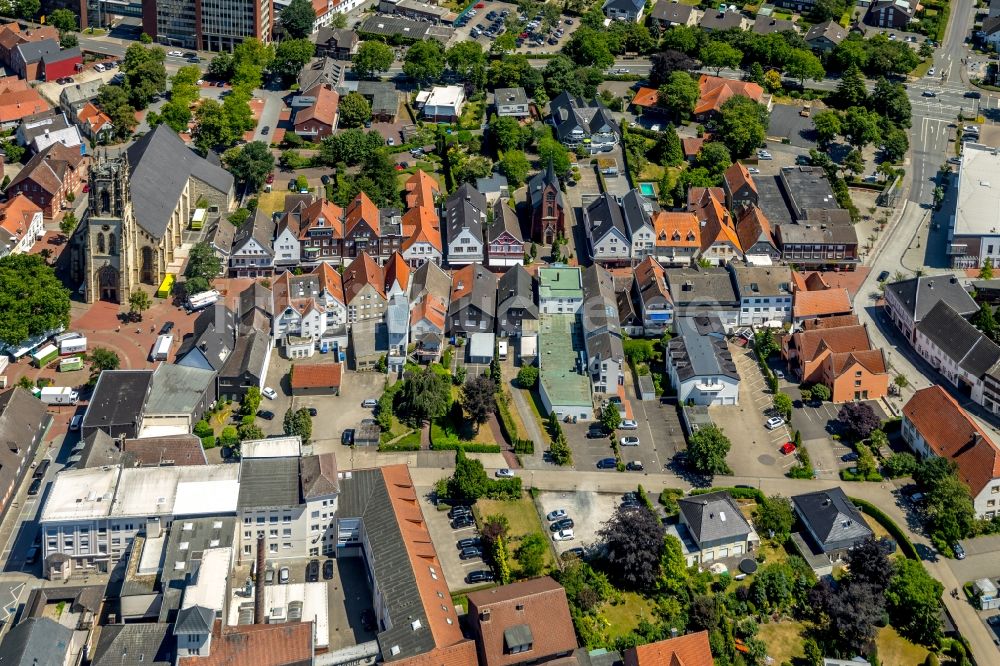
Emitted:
<point x="719" y="242"/>
<point x="581" y="122"/>
<point x="49" y="177"/>
<point x="364" y="290"/>
<point x="504" y="243"/>
<point x="421" y="190"/>
<point x="548" y="207"/>
<point x="397" y="276"/>
<point x="23" y="224"/>
<point x="840" y="357"/>
<point x="820" y="304"/>
<point x="629" y="314"/>
<point x="602" y="335"/>
<point x="638" y="212"/>
<point x="421" y="225"/>
<point x="27" y="58"/>
<point x="321" y="233"/>
<point x="700" y="291"/>
<point x="39" y="131"/>
<point x="765" y="293"/>
<point x="94" y="123"/>
<point x="607" y="237"/>
<point x="310" y="312"/>
<point x="825" y="36"/>
<point x="560" y="289"/>
<point x="430" y="293"/>
<point x="714" y="528"/>
<point x="934" y="424"/>
<point x="909" y="301"/>
<point x="252" y="253"/>
<point x="318" y="119"/>
<point x="367" y="230"/>
<point x="624" y="10"/>
<point x="688" y="650"/>
<point x="678" y="237"/>
<point x="287" y="248"/>
<point x="75" y="96"/>
<point x="464" y="217"/>
<point x="12" y="36"/>
<point x="18" y="100"/>
<point x="515" y="301"/>
<point x="24" y="421"/>
<point x="739" y="187"/>
<point x="701" y="368"/>
<point x="651" y="293"/>
<point x="336" y="43"/>
<point x="397" y="324"/>
<point x="755" y="235"/>
<point x="473" y="303"/>
<point x="429" y="280"/>
<point x="511" y="102"/>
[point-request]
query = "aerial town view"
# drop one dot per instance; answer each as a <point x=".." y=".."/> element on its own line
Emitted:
<point x="499" y="333"/>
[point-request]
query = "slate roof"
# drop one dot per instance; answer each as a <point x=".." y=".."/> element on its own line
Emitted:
<point x="707" y="285"/>
<point x="767" y="25"/>
<point x="715" y="20"/>
<point x="599" y="315"/>
<point x="194" y="620"/>
<point x="35" y="641"/>
<point x="959" y="340"/>
<point x="753" y="281"/>
<point x="633" y="6"/>
<point x="694" y="355"/>
<point x="23" y="418"/>
<point x="539" y="182"/>
<point x="672" y="12"/>
<point x="259" y="227"/>
<point x="465" y="209"/>
<point x="269" y="482"/>
<point x="319" y="475"/>
<point x="32" y="52"/>
<point x="213" y="337"/>
<point x="118" y="398"/>
<point x="517" y="290"/>
<point x="504" y="220"/>
<point x="831" y="516"/>
<point x="714" y="517"/>
<point x="430" y="279"/>
<point x="135" y="645"/>
<point x="78" y="94"/>
<point x="320" y="71"/>
<point x="161" y="166"/>
<point x="919" y="295"/>
<point x="569" y="113"/>
<point x="638" y="211"/>
<point x="605" y="217"/>
<point x="473" y="285"/>
<point x="830" y="29"/>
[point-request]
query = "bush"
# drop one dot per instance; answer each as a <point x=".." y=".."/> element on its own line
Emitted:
<point x="900" y="464"/>
<point x="736" y="492"/>
<point x="203" y="429"/>
<point x="803" y="469"/>
<point x="467" y="447"/>
<point x="504" y="489"/>
<point x="524" y="446"/>
<point x="208" y="442"/>
<point x="527" y="377"/>
<point x="905" y="545"/>
<point x="229" y="437"/>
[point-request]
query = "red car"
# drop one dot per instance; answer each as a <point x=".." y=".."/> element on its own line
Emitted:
<point x="270" y="178"/>
<point x="480" y="5"/>
<point x="788" y="448"/>
<point x="86" y="187"/>
<point x="523" y="35"/>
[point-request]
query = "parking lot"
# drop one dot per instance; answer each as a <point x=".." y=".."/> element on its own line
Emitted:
<point x="589" y="510"/>
<point x="445" y="538"/>
<point x="476" y="25"/>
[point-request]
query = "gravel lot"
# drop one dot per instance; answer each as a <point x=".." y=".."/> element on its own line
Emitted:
<point x="588" y="510"/>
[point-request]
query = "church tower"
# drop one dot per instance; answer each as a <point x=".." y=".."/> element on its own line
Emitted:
<point x="112" y="271"/>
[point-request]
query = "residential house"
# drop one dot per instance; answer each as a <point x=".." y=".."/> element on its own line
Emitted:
<point x="688" y="650"/>
<point x="504" y="243"/>
<point x="700" y="291"/>
<point x="310" y="312"/>
<point x="442" y="103"/>
<point x="820" y="304"/>
<point x="512" y="102"/>
<point x="494" y="187"/>
<point x="831" y="521"/>
<point x="990" y="31"/>
<point x="421" y="226"/>
<point x="41" y="130"/>
<point x="739" y="187"/>
<point x="212" y="340"/>
<point x="602" y="335"/>
<point x="647" y="99"/>
<point x="825" y="36"/>
<point x="841" y="357"/>
<point x="247" y="365"/>
<point x="75" y="96"/>
<point x="397" y="276"/>
<point x="397" y="325"/>
<point x="895" y="14"/>
<point x="319" y="119"/>
<point x="383" y="96"/>
<point x="464" y="218"/>
<point x="252" y="252"/>
<point x="367" y="230"/>
<point x="713" y="528"/>
<point x="765" y="293"/>
<point x="653" y="297"/>
<point x="38" y="640"/>
<point x="427" y="327"/>
<point x="756" y="236"/>
<point x="934" y="424"/>
<point x="473" y="303"/>
<point x="719" y="241"/>
<point x="581" y="122"/>
<point x="701" y="369"/>
<point x="364" y="290"/>
<point x="629" y="314"/>
<point x="624" y="10"/>
<point x="678" y="237"/>
<point x="94" y="123"/>
<point x="49" y="177"/>
<point x="909" y="301"/>
<point x="769" y="25"/>
<point x="26" y="58"/>
<point x="314" y="232"/>
<point x="560" y="289"/>
<point x="607" y="237"/>
<point x="668" y="13"/>
<point x="638" y="212"/>
<point x="337" y="43"/>
<point x="12" y="36"/>
<point x="724" y="19"/>
<point x="428" y="280"/>
<point x="24" y="422"/>
<point x="22" y="223"/>
<point x="529" y="618"/>
<point x="318" y="72"/>
<point x="548" y="207"/>
<point x="829" y="242"/>
<point x="691" y="146"/>
<point x="714" y="91"/>
<point x="515" y="301"/>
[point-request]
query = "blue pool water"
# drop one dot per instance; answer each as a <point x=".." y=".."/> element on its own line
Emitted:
<point x="647" y="189"/>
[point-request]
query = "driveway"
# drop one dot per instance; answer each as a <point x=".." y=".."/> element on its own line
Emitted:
<point x="444" y="539"/>
<point x="786" y="123"/>
<point x="589" y="511"/>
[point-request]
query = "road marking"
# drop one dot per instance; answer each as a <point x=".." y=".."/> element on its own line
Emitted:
<point x="9" y="609"/>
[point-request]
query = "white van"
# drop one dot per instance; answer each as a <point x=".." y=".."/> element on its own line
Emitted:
<point x="502" y="350"/>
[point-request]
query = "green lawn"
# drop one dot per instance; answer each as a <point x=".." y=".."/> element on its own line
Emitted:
<point x="472" y="115"/>
<point x="622" y="619"/>
<point x="921" y="69"/>
<point x="784" y="640"/>
<point x="453" y="427"/>
<point x="523" y="519"/>
<point x="894" y="650"/>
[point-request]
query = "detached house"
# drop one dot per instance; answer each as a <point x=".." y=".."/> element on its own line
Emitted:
<point x="504" y="244"/>
<point x="714" y="91"/>
<point x="548" y="207"/>
<point x="889" y="14"/>
<point x="833" y="525"/>
<point x="839" y="356"/>
<point x="442" y="103"/>
<point x="668" y="13"/>
<point x="579" y="122"/>
<point x="464" y="218"/>
<point x="252" y="253"/>
<point x="49" y="177"/>
<point x="23" y="224"/>
<point x="318" y="119"/>
<point x="825" y="36"/>
<point x="678" y="237"/>
<point x="512" y="102"/>
<point x="473" y="301"/>
<point x="607" y="238"/>
<point x="653" y="296"/>
<point x="688" y="650"/>
<point x="624" y="10"/>
<point x="515" y="302"/>
<point x="712" y="527"/>
<point x="638" y="212"/>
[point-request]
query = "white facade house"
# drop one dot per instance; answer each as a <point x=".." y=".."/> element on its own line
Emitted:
<point x="21" y="225"/>
<point x="465" y="215"/>
<point x="607" y="236"/>
<point x="442" y="103"/>
<point x="511" y="102"/>
<point x="711" y="527"/>
<point x="309" y="310"/>
<point x="638" y="213"/>
<point x="702" y="371"/>
<point x="287" y="248"/>
<point x="560" y="289"/>
<point x="765" y="293"/>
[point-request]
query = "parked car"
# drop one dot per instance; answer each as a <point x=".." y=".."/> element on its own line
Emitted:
<point x="167" y="327"/>
<point x="629" y="424"/>
<point x="849" y="457"/>
<point x="265" y="130"/>
<point x="753" y="171"/>
<point x="629" y="440"/>
<point x="479" y="576"/>
<point x="634" y="466"/>
<point x="41" y="469"/>
<point x="556" y="514"/>
<point x="283" y="575"/>
<point x="369" y="403"/>
<point x="269" y="393"/>
<point x="74" y="423"/>
<point x="882" y="277"/>
<point x="563" y="535"/>
<point x="462" y="522"/>
<point x="788" y="448"/>
<point x="958" y="550"/>
<point x="504" y="473"/>
<point x="472" y="542"/>
<point x="347" y="438"/>
<point x="312" y="411"/>
<point x="175" y="54"/>
<point x="774" y="422"/>
<point x="328" y="570"/>
<point x="607" y="463"/>
<point x="460" y="510"/>
<point x="932" y="71"/>
<point x="312" y="571"/>
<point x="973" y="94"/>
<point x="763" y="155"/>
<point x="573" y="552"/>
<point x="564" y="524"/>
<point x="266" y="415"/>
<point x="470" y="553"/>
<point x="596" y="432"/>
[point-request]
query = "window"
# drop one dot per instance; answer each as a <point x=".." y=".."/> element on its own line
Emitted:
<point x="272" y="548"/>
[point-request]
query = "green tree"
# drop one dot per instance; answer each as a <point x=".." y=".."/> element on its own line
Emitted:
<point x="679" y="94"/>
<point x="610" y="417"/>
<point x="531" y="554"/>
<point x="890" y="99"/>
<point x="527" y="376"/>
<point x="203" y="263"/>
<point x="102" y="359"/>
<point x="550" y="150"/>
<point x="821" y="392"/>
<point x="506" y="134"/>
<point x="719" y="55"/>
<point x="783" y="405"/>
<point x="514" y="166"/>
<point x="559" y="450"/>
<point x="291" y="55"/>
<point x="896" y="143"/>
<point x="424" y="62"/>
<point x="297" y="19"/>
<point x="913" y="600"/>
<point x="900" y="464"/>
<point x="468" y="61"/>
<point x="478" y="399"/>
<point x="139" y="302"/>
<point x="803" y="64"/>
<point x="667" y="150"/>
<point x="707" y="450"/>
<point x="250" y="164"/>
<point x="222" y="66"/>
<point x="145" y="74"/>
<point x="424" y="395"/>
<point x="824" y="10"/>
<point x="851" y="90"/>
<point x="298" y="422"/>
<point x="866" y="464"/>
<point x="32" y="299"/>
<point x="62" y="20"/>
<point x="354" y="110"/>
<point x="248" y="431"/>
<point x="251" y="401"/>
<point x="827" y="125"/>
<point x="213" y="127"/>
<point x="774" y="518"/>
<point x="27" y="9"/>
<point x="854" y="162"/>
<point x="985" y="321"/>
<point x="950" y="510"/>
<point x="713" y="157"/>
<point x="68" y="224"/>
<point x="861" y="126"/>
<point x="986" y="272"/>
<point x="68" y="40"/>
<point x="114" y="101"/>
<point x="229" y="437"/>
<point x="743" y="125"/>
<point x="589" y="48"/>
<point x="469" y="480"/>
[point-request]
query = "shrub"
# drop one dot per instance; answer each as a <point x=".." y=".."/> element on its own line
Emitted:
<point x="905" y="545"/>
<point x="208" y="442"/>
<point x="467" y="447"/>
<point x="203" y="429"/>
<point x="527" y="377"/>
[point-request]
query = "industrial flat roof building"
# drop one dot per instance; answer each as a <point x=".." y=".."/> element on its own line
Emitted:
<point x="562" y="379"/>
<point x="974" y="234"/>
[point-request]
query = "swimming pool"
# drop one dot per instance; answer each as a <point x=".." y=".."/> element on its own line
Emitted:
<point x="647" y="189"/>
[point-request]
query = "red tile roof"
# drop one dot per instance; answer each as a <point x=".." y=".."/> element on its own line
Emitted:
<point x="646" y="97"/>
<point x="737" y="176"/>
<point x="17" y="214"/>
<point x="677" y="229"/>
<point x="751" y="225"/>
<point x="421" y="190"/>
<point x="363" y="270"/>
<point x="289" y="644"/>
<point x="324" y="109"/>
<point x="316" y="375"/>
<point x="811" y="344"/>
<point x="362" y="209"/>
<point x="836" y="321"/>
<point x="715" y="91"/>
<point x="821" y="303"/>
<point x="691" y="145"/>
<point x="708" y="205"/>
<point x="93" y="117"/>
<point x="330" y="280"/>
<point x="688" y="650"/>
<point x="397" y="270"/>
<point x="951" y="433"/>
<point x="432" y="309"/>
<point x="48" y="169"/>
<point x="322" y="213"/>
<point x="16" y="103"/>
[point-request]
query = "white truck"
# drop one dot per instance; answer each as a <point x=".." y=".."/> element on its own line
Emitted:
<point x="59" y="395"/>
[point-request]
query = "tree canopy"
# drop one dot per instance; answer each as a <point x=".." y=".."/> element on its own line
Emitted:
<point x="424" y="62"/>
<point x="424" y="395"/>
<point x="250" y="163"/>
<point x="372" y="59"/>
<point x="297" y="19"/>
<point x="743" y="125"/>
<point x="478" y="399"/>
<point x="707" y="450"/>
<point x="633" y="543"/>
<point x="32" y="300"/>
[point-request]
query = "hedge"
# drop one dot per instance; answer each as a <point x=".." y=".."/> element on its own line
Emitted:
<point x="905" y="545"/>
<point x="401" y="445"/>
<point x="468" y="448"/>
<point x="739" y="492"/>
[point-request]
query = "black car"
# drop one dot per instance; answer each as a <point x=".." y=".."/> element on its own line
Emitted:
<point x="328" y="570"/>
<point x="630" y="497"/>
<point x="472" y="542"/>
<point x="634" y="466"/>
<point x="41" y="469"/>
<point x="348" y="437"/>
<point x="634" y="504"/>
<point x="312" y="571"/>
<point x="480" y="576"/>
<point x="849" y="457"/>
<point x="882" y="277"/>
<point x="563" y="524"/>
<point x="573" y="552"/>
<point x="607" y="463"/>
<point x="973" y="94"/>
<point x="312" y="411"/>
<point x="265" y="131"/>
<point x="596" y="433"/>
<point x="325" y="179"/>
<point x="470" y="553"/>
<point x="266" y="415"/>
<point x="190" y="54"/>
<point x="35" y="486"/>
<point x="167" y="327"/>
<point x="462" y="522"/>
<point x="459" y="510"/>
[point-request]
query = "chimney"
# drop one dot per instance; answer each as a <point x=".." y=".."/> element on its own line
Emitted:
<point x="258" y="598"/>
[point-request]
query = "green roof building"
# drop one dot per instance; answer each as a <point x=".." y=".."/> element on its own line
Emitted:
<point x="560" y="289"/>
<point x="563" y="384"/>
